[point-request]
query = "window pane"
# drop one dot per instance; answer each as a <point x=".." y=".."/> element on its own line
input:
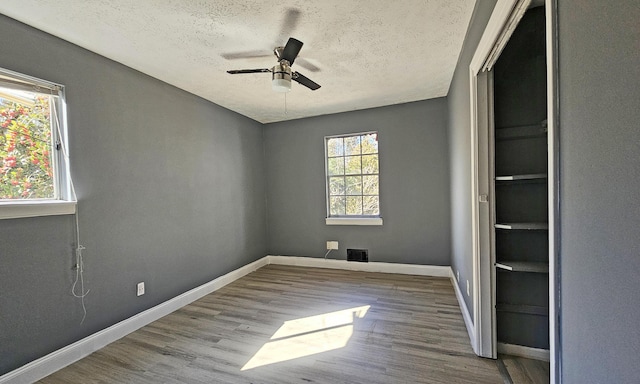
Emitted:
<point x="354" y="185"/>
<point x="336" y="186"/>
<point x="370" y="143"/>
<point x="353" y="165"/>
<point x="354" y="205"/>
<point x="371" y="205"/>
<point x="370" y="185"/>
<point x="337" y="206"/>
<point x="352" y="145"/>
<point x="370" y="164"/>
<point x="335" y="147"/>
<point x="335" y="166"/>
<point x="26" y="170"/>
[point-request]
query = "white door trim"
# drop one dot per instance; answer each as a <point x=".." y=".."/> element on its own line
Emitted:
<point x="493" y="39"/>
<point x="553" y="150"/>
<point x="504" y="19"/>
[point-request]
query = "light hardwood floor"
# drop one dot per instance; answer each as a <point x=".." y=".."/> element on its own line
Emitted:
<point x="285" y="324"/>
<point x="526" y="371"/>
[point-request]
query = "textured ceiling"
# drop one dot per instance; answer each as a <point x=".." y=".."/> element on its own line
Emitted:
<point x="366" y="53"/>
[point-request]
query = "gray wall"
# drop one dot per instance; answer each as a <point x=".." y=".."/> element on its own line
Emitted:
<point x="414" y="185"/>
<point x="171" y="192"/>
<point x="460" y="150"/>
<point x="599" y="56"/>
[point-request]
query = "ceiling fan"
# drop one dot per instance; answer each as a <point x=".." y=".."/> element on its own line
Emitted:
<point x="281" y="73"/>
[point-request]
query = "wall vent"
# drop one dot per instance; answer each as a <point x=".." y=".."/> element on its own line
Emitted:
<point x="361" y="255"/>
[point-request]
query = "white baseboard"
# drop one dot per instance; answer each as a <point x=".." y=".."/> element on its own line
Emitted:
<point x="45" y="366"/>
<point x="59" y="359"/>
<point x="522" y="351"/>
<point x="405" y="269"/>
<point x="468" y="321"/>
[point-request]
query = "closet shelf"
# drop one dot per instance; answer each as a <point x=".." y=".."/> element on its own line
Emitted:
<point x="525" y="309"/>
<point x="529" y="176"/>
<point x="523" y="266"/>
<point x="524" y="226"/>
<point x="521" y="132"/>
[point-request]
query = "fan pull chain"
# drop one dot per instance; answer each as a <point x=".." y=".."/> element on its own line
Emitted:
<point x="285" y="103"/>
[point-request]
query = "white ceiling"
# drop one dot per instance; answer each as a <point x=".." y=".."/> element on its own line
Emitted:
<point x="369" y="53"/>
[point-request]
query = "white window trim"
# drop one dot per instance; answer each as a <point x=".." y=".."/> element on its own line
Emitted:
<point x="35" y="208"/>
<point x="350" y="220"/>
<point x="65" y="203"/>
<point x="354" y="220"/>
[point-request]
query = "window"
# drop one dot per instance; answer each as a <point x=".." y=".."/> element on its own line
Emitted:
<point x="353" y="179"/>
<point x="33" y="168"/>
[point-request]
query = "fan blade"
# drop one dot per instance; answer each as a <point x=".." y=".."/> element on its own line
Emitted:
<point x="306" y="64"/>
<point x="236" y="71"/>
<point x="289" y="23"/>
<point x="302" y="79"/>
<point x="291" y="50"/>
<point x="246" y="55"/>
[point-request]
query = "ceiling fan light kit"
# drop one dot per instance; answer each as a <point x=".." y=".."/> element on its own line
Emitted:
<point x="281" y="77"/>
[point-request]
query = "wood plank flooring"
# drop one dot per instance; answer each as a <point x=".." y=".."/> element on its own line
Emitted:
<point x="526" y="371"/>
<point x="285" y="324"/>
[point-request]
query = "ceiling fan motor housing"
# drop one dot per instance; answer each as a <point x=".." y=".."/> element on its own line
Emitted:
<point x="281" y="77"/>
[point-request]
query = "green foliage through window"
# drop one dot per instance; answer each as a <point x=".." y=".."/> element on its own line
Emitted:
<point x="353" y="179"/>
<point x="26" y="170"/>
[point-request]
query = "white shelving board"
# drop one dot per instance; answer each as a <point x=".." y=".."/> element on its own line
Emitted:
<point x="523" y="266"/>
<point x="526" y="226"/>
<point x="530" y="176"/>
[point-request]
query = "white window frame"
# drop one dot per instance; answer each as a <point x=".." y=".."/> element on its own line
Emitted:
<point x="348" y="220"/>
<point x="64" y="201"/>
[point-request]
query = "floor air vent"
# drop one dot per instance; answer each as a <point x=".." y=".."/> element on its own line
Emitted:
<point x="361" y="255"/>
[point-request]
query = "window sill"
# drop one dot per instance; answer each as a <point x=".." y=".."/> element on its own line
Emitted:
<point x="354" y="220"/>
<point x="20" y="209"/>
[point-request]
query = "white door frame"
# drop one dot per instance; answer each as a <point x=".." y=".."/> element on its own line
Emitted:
<point x="504" y="19"/>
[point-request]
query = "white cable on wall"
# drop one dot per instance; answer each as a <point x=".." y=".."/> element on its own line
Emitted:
<point x="79" y="247"/>
<point x="79" y="271"/>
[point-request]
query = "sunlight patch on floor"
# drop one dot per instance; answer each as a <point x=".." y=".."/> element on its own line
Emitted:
<point x="308" y="336"/>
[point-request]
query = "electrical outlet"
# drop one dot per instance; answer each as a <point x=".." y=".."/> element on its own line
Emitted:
<point x="458" y="275"/>
<point x="332" y="245"/>
<point x="468" y="290"/>
<point x="141" y="288"/>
